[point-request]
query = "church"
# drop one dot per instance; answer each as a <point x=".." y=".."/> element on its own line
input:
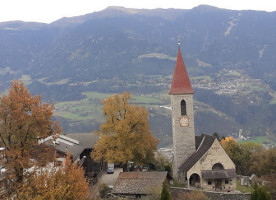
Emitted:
<point x="199" y="161"/>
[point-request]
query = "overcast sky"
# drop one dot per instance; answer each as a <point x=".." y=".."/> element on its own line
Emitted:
<point x="51" y="10"/>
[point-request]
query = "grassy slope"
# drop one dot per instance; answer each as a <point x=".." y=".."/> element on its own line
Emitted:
<point x="90" y="107"/>
<point x="259" y="140"/>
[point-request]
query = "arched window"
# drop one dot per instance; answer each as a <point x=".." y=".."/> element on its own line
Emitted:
<point x="183" y="107"/>
<point x="217" y="166"/>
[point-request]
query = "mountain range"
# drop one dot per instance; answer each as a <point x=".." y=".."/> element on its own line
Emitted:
<point x="229" y="55"/>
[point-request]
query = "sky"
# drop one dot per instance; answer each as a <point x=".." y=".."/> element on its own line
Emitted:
<point x="48" y="11"/>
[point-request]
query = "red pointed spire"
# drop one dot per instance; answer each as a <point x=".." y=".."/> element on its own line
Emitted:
<point x="180" y="82"/>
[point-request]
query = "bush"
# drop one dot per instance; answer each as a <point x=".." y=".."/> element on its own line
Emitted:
<point x="104" y="190"/>
<point x="260" y="193"/>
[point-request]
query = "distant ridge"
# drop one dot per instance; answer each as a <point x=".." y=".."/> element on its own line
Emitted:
<point x="229" y="56"/>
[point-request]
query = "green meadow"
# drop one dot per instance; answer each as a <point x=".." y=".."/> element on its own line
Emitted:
<point x="90" y="106"/>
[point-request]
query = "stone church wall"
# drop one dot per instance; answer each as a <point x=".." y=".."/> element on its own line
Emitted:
<point x="183" y="137"/>
<point x="215" y="154"/>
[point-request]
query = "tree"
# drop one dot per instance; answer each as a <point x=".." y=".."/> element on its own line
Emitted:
<point x="270" y="182"/>
<point x="125" y="135"/>
<point x="240" y="154"/>
<point x="161" y="162"/>
<point x="227" y="141"/>
<point x="244" y="160"/>
<point x="260" y="193"/>
<point x="264" y="162"/>
<point x="64" y="183"/>
<point x="165" y="195"/>
<point x="24" y="119"/>
<point x="264" y="166"/>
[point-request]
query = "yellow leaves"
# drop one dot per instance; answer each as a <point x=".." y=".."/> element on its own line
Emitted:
<point x="125" y="135"/>
<point x="67" y="183"/>
<point x="24" y="119"/>
<point x="227" y="140"/>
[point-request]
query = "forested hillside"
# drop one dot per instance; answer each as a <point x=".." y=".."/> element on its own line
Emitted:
<point x="75" y="62"/>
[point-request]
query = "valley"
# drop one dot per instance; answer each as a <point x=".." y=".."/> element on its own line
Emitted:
<point x="231" y="84"/>
<point x="76" y="62"/>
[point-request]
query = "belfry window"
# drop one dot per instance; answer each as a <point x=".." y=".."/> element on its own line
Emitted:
<point x="183" y="107"/>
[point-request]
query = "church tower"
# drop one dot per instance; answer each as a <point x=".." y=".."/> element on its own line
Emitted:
<point x="181" y="93"/>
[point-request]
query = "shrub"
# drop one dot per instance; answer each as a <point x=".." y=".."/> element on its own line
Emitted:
<point x="104" y="190"/>
<point x="260" y="193"/>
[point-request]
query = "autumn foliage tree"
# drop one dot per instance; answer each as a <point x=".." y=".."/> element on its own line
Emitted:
<point x="264" y="162"/>
<point x="227" y="142"/>
<point x="242" y="154"/>
<point x="125" y="135"/>
<point x="23" y="120"/>
<point x="264" y="166"/>
<point x="64" y="183"/>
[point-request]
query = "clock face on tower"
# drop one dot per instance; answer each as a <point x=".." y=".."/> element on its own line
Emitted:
<point x="184" y="121"/>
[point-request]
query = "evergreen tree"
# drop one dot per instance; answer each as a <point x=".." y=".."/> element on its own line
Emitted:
<point x="165" y="195"/>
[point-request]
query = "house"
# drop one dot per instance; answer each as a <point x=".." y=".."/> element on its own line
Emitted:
<point x="199" y="161"/>
<point x="87" y="141"/>
<point x="79" y="145"/>
<point x="139" y="184"/>
<point x="63" y="146"/>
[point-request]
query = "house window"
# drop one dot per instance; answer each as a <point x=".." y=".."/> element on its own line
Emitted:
<point x="209" y="182"/>
<point x="226" y="181"/>
<point x="183" y="107"/>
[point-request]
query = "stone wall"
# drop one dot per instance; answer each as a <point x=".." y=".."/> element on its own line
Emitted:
<point x="212" y="195"/>
<point x="183" y="137"/>
<point x="216" y="154"/>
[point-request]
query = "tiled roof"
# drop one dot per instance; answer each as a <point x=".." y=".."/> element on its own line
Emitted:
<point x="131" y="183"/>
<point x="214" y="174"/>
<point x="203" y="143"/>
<point x="180" y="82"/>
